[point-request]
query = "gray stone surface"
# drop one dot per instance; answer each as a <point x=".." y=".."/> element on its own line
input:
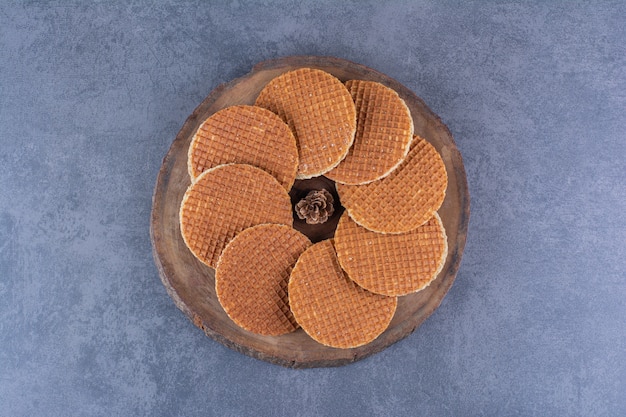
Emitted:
<point x="91" y="96"/>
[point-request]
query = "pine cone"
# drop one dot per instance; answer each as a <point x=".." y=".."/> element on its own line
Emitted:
<point x="316" y="207"/>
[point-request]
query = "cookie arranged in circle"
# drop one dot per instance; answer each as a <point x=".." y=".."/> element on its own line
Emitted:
<point x="403" y="200"/>
<point x="320" y="112"/>
<point x="226" y="200"/>
<point x="330" y="307"/>
<point x="245" y="135"/>
<point x="384" y="131"/>
<point x="252" y="275"/>
<point x="392" y="264"/>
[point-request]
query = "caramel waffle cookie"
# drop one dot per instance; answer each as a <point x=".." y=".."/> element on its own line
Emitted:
<point x="245" y="135"/>
<point x="330" y="307"/>
<point x="320" y="112"/>
<point x="384" y="131"/>
<point x="226" y="200"/>
<point x="392" y="264"/>
<point x="403" y="200"/>
<point x="252" y="275"/>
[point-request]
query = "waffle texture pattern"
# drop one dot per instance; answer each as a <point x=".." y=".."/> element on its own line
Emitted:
<point x="254" y="294"/>
<point x="391" y="264"/>
<point x="405" y="199"/>
<point x="320" y="112"/>
<point x="245" y="135"/>
<point x="384" y="131"/>
<point x="330" y="307"/>
<point x="226" y="200"/>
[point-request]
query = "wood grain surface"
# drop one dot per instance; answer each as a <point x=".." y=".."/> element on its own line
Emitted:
<point x="191" y="284"/>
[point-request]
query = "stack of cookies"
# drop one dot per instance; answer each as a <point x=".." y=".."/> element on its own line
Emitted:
<point x="238" y="214"/>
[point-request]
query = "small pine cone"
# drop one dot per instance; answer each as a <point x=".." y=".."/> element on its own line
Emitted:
<point x="316" y="207"/>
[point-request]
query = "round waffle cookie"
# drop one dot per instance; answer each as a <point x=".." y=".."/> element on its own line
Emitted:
<point x="384" y="131"/>
<point x="330" y="307"/>
<point x="254" y="294"/>
<point x="392" y="264"/>
<point x="403" y="200"/>
<point x="245" y="135"/>
<point x="320" y="112"/>
<point x="225" y="200"/>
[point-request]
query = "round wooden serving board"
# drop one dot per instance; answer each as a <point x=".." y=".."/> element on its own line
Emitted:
<point x="191" y="284"/>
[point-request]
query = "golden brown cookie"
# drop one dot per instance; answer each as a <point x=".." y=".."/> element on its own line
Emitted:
<point x="384" y="131"/>
<point x="330" y="307"/>
<point x="245" y="135"/>
<point x="226" y="200"/>
<point x="320" y="112"/>
<point x="392" y="264"/>
<point x="252" y="275"/>
<point x="403" y="200"/>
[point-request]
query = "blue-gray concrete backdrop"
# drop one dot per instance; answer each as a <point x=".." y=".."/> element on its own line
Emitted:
<point x="92" y="95"/>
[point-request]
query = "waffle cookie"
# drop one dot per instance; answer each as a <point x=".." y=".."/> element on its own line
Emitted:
<point x="320" y="112"/>
<point x="405" y="199"/>
<point x="252" y="275"/>
<point x="392" y="264"/>
<point x="245" y="135"/>
<point x="225" y="200"/>
<point x="331" y="308"/>
<point x="384" y="131"/>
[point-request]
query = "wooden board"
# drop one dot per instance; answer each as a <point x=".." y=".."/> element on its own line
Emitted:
<point x="191" y="284"/>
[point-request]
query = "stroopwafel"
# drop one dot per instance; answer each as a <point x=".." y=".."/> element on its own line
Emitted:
<point x="225" y="200"/>
<point x="391" y="264"/>
<point x="384" y="131"/>
<point x="403" y="200"/>
<point x="320" y="112"/>
<point x="330" y="307"/>
<point x="245" y="135"/>
<point x="252" y="275"/>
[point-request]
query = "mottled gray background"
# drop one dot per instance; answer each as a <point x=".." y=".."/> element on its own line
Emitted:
<point x="92" y="95"/>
